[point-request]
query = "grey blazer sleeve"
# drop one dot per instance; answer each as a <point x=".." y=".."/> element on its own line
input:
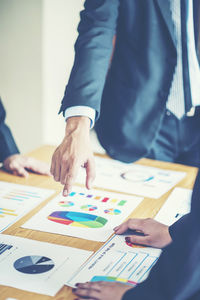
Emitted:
<point x="7" y="143"/>
<point x="93" y="51"/>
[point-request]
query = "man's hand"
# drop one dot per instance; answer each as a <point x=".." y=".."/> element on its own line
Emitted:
<point x="74" y="151"/>
<point x="18" y="164"/>
<point x="101" y="290"/>
<point x="152" y="233"/>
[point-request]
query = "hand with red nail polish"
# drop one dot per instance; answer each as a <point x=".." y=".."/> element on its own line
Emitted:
<point x="101" y="290"/>
<point x="146" y="232"/>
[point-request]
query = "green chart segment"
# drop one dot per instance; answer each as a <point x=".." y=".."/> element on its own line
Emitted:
<point x="77" y="219"/>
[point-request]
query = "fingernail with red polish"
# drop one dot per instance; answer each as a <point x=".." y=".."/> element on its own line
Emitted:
<point x="65" y="193"/>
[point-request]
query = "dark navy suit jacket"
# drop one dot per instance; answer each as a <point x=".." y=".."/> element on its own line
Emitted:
<point x="7" y="142"/>
<point x="132" y="93"/>
<point x="176" y="276"/>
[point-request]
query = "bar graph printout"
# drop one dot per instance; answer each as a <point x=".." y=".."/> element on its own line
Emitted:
<point x="85" y="214"/>
<point x="16" y="200"/>
<point x="132" y="178"/>
<point x="117" y="261"/>
<point x="37" y="266"/>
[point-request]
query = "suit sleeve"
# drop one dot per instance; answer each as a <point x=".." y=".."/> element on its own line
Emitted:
<point x="93" y="50"/>
<point x="177" y="272"/>
<point x="7" y="143"/>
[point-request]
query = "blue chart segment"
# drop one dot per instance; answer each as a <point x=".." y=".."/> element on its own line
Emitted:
<point x="33" y="264"/>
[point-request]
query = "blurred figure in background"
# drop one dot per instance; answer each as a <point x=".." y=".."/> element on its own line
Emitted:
<point x="12" y="160"/>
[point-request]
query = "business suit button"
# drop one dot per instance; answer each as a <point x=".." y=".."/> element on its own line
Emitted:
<point x="168" y="113"/>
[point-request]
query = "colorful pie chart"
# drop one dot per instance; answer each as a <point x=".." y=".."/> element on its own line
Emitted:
<point x="77" y="219"/>
<point x="88" y="207"/>
<point x="137" y="176"/>
<point x="112" y="211"/>
<point x="66" y="203"/>
<point x="33" y="264"/>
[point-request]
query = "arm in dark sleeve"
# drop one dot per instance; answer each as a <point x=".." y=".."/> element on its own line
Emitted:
<point x="178" y="226"/>
<point x="7" y="142"/>
<point x="176" y="275"/>
<point x="93" y="51"/>
<point x="182" y="224"/>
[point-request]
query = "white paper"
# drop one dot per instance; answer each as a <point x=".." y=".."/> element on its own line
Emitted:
<point x="116" y="261"/>
<point x="132" y="178"/>
<point x="101" y="211"/>
<point x="16" y="200"/>
<point x="177" y="205"/>
<point x="37" y="266"/>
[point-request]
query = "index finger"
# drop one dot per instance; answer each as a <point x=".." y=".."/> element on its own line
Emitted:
<point x="133" y="224"/>
<point x="70" y="178"/>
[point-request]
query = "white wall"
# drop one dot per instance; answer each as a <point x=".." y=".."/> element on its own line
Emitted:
<point x="20" y="69"/>
<point x="60" y="21"/>
<point x="36" y="56"/>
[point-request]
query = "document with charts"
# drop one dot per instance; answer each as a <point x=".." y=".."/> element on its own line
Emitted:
<point x="132" y="178"/>
<point x="177" y="205"/>
<point x="117" y="261"/>
<point x="35" y="266"/>
<point x="16" y="200"/>
<point x="85" y="214"/>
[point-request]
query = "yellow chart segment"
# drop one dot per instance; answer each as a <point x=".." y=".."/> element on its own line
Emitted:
<point x="76" y="224"/>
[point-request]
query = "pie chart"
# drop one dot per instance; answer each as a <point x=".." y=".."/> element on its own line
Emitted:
<point x="33" y="264"/>
<point x="112" y="211"/>
<point x="77" y="219"/>
<point x="66" y="203"/>
<point x="88" y="207"/>
<point x="137" y="176"/>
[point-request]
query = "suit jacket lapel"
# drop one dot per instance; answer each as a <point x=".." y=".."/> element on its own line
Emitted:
<point x="164" y="6"/>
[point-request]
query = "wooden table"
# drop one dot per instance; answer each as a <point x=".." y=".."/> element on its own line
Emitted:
<point x="148" y="208"/>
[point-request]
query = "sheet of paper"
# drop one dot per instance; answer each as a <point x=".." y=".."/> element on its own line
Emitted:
<point x="132" y="178"/>
<point x="117" y="261"/>
<point x="16" y="200"/>
<point x="177" y="205"/>
<point x="85" y="214"/>
<point x="35" y="266"/>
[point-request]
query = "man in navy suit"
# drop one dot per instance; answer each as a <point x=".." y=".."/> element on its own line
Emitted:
<point x="12" y="160"/>
<point x="176" y="275"/>
<point x="145" y="101"/>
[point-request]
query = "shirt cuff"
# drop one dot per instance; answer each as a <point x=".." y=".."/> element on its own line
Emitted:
<point x="85" y="111"/>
